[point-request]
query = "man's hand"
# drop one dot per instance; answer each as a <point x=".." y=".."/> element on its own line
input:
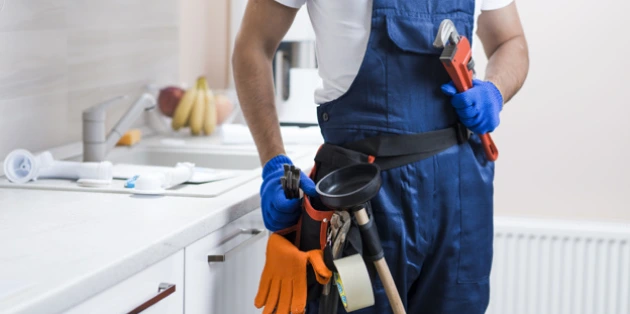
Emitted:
<point x="278" y="211"/>
<point x="479" y="107"/>
<point x="264" y="25"/>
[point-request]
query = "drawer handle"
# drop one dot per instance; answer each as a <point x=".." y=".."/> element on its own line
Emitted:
<point x="256" y="234"/>
<point x="164" y="290"/>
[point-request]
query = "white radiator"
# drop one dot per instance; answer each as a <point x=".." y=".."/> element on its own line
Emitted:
<point x="560" y="267"/>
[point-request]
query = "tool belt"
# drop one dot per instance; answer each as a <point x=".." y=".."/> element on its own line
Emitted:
<point x="387" y="151"/>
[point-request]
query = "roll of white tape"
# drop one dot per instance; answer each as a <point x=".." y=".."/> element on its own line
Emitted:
<point x="353" y="282"/>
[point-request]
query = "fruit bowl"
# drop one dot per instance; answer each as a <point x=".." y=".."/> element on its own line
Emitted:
<point x="199" y="108"/>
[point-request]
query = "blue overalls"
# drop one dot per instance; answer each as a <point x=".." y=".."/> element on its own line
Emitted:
<point x="434" y="215"/>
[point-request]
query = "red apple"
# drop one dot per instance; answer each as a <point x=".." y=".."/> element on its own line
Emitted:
<point x="168" y="99"/>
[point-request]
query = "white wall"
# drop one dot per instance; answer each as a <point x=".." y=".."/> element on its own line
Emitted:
<point x="59" y="57"/>
<point x="564" y="141"/>
<point x="204" y="37"/>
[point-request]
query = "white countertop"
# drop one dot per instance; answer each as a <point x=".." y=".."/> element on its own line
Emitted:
<point x="60" y="248"/>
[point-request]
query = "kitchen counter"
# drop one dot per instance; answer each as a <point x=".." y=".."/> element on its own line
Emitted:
<point x="60" y="248"/>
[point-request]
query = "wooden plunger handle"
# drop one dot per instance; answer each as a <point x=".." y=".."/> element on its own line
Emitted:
<point x="383" y="271"/>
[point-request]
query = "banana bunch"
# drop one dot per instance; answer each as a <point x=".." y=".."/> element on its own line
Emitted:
<point x="197" y="110"/>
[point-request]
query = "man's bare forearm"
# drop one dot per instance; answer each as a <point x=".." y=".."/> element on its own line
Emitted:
<point x="264" y="25"/>
<point x="504" y="42"/>
<point x="508" y="66"/>
<point x="254" y="84"/>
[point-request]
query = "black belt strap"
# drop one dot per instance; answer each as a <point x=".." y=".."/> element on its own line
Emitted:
<point x="392" y="151"/>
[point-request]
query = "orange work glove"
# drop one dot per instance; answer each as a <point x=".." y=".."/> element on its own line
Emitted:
<point x="283" y="281"/>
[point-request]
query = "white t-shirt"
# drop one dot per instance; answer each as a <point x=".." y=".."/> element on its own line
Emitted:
<point x="345" y="26"/>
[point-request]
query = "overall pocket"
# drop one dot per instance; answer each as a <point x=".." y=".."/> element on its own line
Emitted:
<point x="416" y="34"/>
<point x="476" y="205"/>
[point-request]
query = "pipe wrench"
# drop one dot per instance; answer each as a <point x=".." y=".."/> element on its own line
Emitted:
<point x="457" y="59"/>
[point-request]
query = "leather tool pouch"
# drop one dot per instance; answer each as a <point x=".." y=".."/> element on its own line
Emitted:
<point x="313" y="226"/>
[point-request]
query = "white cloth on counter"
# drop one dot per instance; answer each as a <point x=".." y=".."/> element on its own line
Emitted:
<point x="240" y="134"/>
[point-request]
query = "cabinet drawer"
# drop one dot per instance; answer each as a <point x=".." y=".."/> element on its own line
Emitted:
<point x="155" y="283"/>
<point x="223" y="269"/>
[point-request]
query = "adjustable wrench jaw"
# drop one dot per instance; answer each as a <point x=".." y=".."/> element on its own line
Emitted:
<point x="446" y="33"/>
<point x="456" y="55"/>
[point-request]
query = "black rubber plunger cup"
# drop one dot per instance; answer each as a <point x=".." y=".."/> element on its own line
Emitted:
<point x="350" y="188"/>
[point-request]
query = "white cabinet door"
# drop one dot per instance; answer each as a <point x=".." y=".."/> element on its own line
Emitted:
<point x="229" y="282"/>
<point x="162" y="282"/>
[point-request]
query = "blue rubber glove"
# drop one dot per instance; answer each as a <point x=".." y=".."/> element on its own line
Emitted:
<point x="278" y="211"/>
<point x="478" y="108"/>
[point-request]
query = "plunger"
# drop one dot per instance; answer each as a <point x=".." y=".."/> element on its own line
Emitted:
<point x="350" y="188"/>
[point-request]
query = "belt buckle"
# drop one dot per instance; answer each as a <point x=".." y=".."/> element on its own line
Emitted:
<point x="463" y="133"/>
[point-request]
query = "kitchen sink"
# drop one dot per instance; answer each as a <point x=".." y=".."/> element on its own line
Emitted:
<point x="225" y="159"/>
<point x="234" y="165"/>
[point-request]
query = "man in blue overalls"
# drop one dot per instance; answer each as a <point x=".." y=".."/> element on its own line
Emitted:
<point x="382" y="77"/>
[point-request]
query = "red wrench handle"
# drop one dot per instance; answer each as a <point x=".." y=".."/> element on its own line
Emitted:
<point x="456" y="63"/>
<point x="492" y="153"/>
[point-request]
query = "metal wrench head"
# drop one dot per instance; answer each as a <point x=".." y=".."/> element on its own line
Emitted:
<point x="446" y="32"/>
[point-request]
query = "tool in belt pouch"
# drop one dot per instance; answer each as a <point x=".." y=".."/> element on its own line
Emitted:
<point x="310" y="231"/>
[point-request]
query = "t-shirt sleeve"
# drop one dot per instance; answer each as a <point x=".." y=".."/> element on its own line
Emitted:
<point x="293" y="3"/>
<point x="486" y="5"/>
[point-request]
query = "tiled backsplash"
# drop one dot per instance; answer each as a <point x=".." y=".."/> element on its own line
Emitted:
<point x="58" y="57"/>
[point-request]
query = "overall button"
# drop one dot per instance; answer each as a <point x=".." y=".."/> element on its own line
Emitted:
<point x="325" y="116"/>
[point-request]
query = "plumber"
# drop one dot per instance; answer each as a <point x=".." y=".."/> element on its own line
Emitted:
<point x="385" y="86"/>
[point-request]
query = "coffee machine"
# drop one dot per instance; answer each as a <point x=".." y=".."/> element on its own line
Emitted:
<point x="294" y="69"/>
<point x="295" y="74"/>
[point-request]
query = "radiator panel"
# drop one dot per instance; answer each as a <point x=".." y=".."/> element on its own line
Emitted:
<point x="558" y="267"/>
